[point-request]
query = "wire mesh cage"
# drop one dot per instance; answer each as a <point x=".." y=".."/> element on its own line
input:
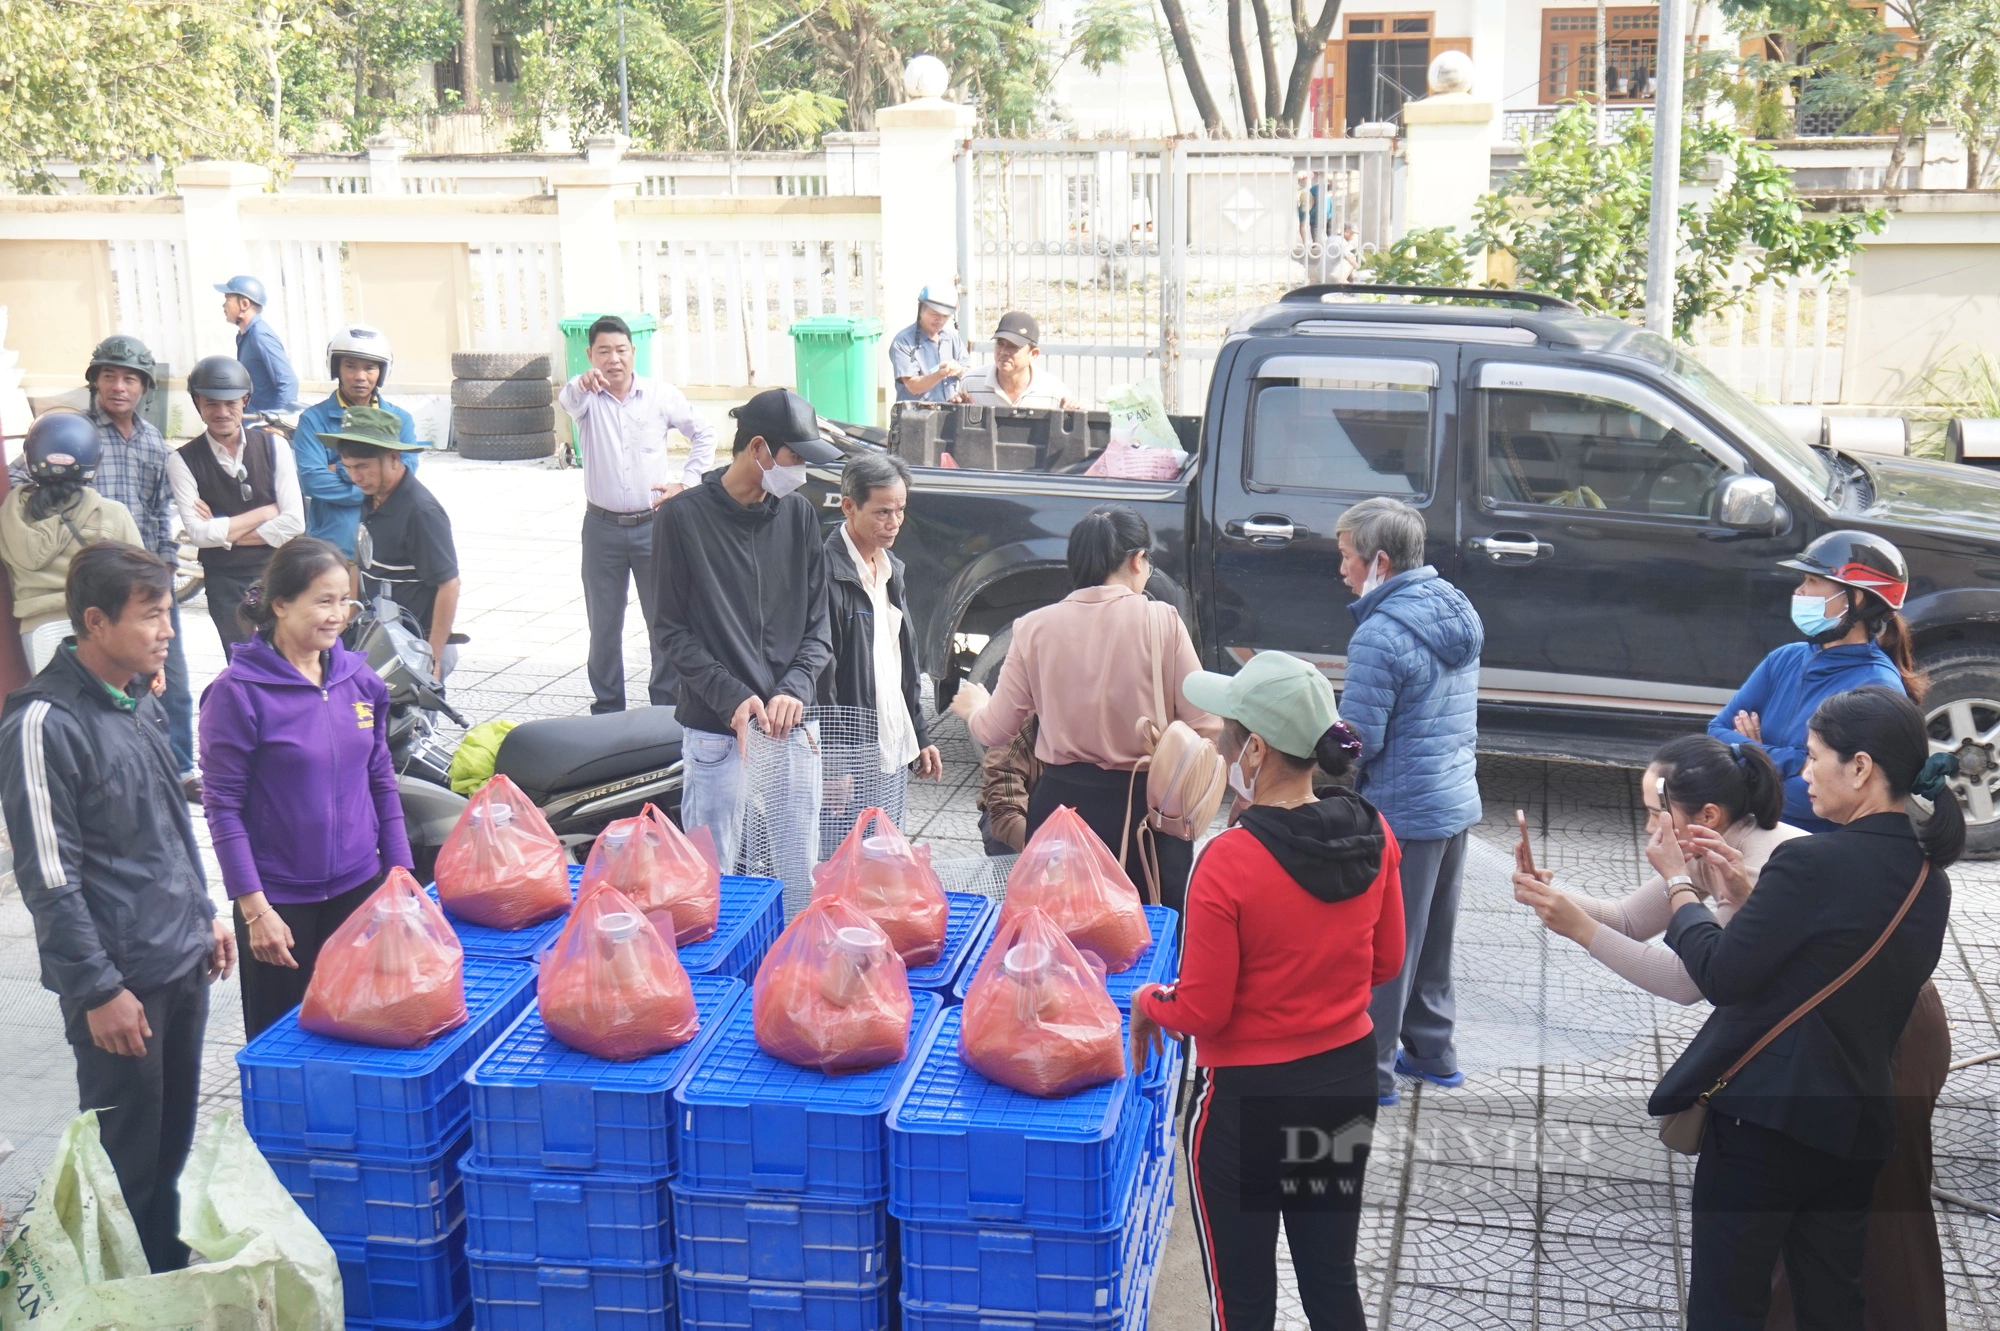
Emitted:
<point x="803" y="793"/>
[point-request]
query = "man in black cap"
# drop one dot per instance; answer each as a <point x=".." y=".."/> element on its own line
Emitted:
<point x="1017" y="377"/>
<point x="740" y="607"/>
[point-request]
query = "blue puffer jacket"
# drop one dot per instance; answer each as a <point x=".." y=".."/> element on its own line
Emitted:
<point x="1412" y="694"/>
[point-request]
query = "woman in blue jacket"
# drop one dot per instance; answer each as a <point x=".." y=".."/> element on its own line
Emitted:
<point x="1846" y="605"/>
<point x="299" y="789"/>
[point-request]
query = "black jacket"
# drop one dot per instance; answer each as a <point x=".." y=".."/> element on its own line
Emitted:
<point x="740" y="607"/>
<point x="850" y="676"/>
<point x="1820" y="902"/>
<point x="104" y="850"/>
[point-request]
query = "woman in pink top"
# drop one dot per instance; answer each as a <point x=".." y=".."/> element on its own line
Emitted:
<point x="1090" y="667"/>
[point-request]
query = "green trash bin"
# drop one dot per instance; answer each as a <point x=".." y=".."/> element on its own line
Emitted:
<point x="576" y="347"/>
<point x="835" y="356"/>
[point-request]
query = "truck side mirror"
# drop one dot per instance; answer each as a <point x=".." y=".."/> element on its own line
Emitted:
<point x="1747" y="503"/>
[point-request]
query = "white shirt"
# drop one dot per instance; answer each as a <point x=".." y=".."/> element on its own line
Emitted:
<point x="624" y="443"/>
<point x="895" y="732"/>
<point x="210" y="533"/>
<point x="1043" y="390"/>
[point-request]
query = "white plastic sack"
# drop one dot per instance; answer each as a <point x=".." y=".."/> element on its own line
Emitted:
<point x="76" y="1264"/>
<point x="1142" y="408"/>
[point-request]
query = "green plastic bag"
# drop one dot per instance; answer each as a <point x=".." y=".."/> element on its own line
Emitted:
<point x="76" y="1264"/>
<point x="1141" y="407"/>
<point x="472" y="764"/>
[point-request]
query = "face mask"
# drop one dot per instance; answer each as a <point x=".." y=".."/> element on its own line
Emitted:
<point x="1242" y="785"/>
<point x="1374" y="578"/>
<point x="781" y="481"/>
<point x="1810" y="617"/>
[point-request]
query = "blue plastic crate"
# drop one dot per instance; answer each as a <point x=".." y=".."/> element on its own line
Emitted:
<point x="963" y="1148"/>
<point x="309" y="1095"/>
<point x="735" y="1305"/>
<point x="513" y="944"/>
<point x="932" y="1317"/>
<point x="403" y="1284"/>
<point x="533" y="1215"/>
<point x="787" y="1240"/>
<point x="1160" y="1083"/>
<point x="752" y="915"/>
<point x="996" y="1269"/>
<point x="1156" y="965"/>
<point x="538" y="1104"/>
<point x="509" y="1295"/>
<point x="963" y="928"/>
<point x="355" y="1197"/>
<point x="459" y="1321"/>
<point x="752" y="1123"/>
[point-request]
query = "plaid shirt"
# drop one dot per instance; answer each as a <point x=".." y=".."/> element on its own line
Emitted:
<point x="133" y="472"/>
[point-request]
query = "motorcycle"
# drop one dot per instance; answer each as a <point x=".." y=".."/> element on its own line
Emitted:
<point x="581" y="772"/>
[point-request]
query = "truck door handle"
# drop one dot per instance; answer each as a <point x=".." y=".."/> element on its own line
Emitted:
<point x="1262" y="528"/>
<point x="1511" y="545"/>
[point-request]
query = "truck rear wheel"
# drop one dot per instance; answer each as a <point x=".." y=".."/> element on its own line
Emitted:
<point x="985" y="670"/>
<point x="1962" y="712"/>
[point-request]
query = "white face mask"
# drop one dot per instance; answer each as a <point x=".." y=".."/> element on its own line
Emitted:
<point x="781" y="481"/>
<point x="1374" y="578"/>
<point x="1245" y="786"/>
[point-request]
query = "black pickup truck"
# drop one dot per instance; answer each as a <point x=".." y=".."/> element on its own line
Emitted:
<point x="1614" y="510"/>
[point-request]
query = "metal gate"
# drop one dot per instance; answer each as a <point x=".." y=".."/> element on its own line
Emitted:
<point x="1135" y="254"/>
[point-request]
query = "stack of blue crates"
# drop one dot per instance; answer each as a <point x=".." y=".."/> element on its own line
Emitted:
<point x="1025" y="1212"/>
<point x="368" y="1141"/>
<point x="569" y="1221"/>
<point x="752" y="913"/>
<point x="1159" y="963"/>
<point x="779" y="1216"/>
<point x="965" y="929"/>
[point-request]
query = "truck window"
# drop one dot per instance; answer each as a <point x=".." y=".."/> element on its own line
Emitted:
<point x="1570" y="450"/>
<point x="1361" y="425"/>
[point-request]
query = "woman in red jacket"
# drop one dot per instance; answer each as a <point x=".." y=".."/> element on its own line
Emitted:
<point x="1293" y="917"/>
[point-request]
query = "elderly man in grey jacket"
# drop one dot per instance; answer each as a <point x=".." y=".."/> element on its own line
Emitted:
<point x="1412" y="694"/>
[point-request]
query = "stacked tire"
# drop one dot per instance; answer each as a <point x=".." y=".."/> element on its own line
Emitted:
<point x="502" y="405"/>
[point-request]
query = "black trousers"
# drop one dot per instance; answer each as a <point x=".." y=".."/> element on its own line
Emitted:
<point x="1282" y="1141"/>
<point x="1758" y="1194"/>
<point x="614" y="558"/>
<point x="146" y="1107"/>
<point x="269" y="992"/>
<point x="223" y="589"/>
<point x="1111" y="803"/>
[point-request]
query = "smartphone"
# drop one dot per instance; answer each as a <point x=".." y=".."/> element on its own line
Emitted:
<point x="1527" y="850"/>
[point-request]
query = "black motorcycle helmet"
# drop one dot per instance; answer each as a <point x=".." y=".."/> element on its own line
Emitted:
<point x="126" y="352"/>
<point x="218" y="377"/>
<point x="62" y="449"/>
<point x="1860" y="560"/>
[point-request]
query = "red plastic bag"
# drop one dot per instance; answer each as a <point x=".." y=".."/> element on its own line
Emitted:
<point x="892" y="883"/>
<point x="503" y="865"/>
<point x="832" y="994"/>
<point x="1074" y="878"/>
<point x="670" y="875"/>
<point x="1037" y="1017"/>
<point x="612" y="986"/>
<point x="392" y="975"/>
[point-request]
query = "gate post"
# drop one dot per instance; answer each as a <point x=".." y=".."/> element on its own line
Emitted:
<point x="1447" y="152"/>
<point x="211" y="195"/>
<point x="1171" y="226"/>
<point x="919" y="140"/>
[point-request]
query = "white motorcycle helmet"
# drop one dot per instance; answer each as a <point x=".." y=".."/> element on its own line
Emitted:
<point x="362" y="342"/>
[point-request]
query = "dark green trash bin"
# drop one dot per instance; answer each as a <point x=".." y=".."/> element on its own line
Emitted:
<point x="576" y="346"/>
<point x="836" y="356"/>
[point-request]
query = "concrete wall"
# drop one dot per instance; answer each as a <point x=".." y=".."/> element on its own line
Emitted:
<point x="1923" y="295"/>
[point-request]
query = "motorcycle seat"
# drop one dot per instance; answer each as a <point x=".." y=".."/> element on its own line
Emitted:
<point x="550" y="758"/>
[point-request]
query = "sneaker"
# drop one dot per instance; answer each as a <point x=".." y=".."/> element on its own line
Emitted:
<point x="1450" y="1081"/>
<point x="191" y="788"/>
<point x="1389" y="1101"/>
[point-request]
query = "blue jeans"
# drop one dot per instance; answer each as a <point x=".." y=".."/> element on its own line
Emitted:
<point x="1416" y="1008"/>
<point x="712" y="790"/>
<point x="179" y="702"/>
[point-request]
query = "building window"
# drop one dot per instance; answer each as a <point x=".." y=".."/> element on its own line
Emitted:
<point x="1385" y="69"/>
<point x="448" y="75"/>
<point x="506" y="60"/>
<point x="1569" y="54"/>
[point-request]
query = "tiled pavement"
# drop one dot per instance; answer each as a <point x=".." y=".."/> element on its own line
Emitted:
<point x="1535" y="1196"/>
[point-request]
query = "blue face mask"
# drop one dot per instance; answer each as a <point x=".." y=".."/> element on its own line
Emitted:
<point x="1809" y="615"/>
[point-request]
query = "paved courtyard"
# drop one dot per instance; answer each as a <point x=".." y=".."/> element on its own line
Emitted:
<point x="1534" y="1196"/>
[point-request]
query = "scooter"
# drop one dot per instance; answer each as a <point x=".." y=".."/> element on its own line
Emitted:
<point x="581" y="772"/>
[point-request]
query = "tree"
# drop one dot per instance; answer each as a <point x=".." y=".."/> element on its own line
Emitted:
<point x="118" y="85"/>
<point x="995" y="55"/>
<point x="1574" y="220"/>
<point x="1270" y="113"/>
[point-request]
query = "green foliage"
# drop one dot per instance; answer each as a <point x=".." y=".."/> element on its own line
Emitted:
<point x="1107" y="32"/>
<point x="1434" y="257"/>
<point x="110" y="84"/>
<point x="1575" y="219"/>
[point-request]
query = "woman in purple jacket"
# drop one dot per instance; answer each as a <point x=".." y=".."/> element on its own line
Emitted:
<point x="297" y="784"/>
